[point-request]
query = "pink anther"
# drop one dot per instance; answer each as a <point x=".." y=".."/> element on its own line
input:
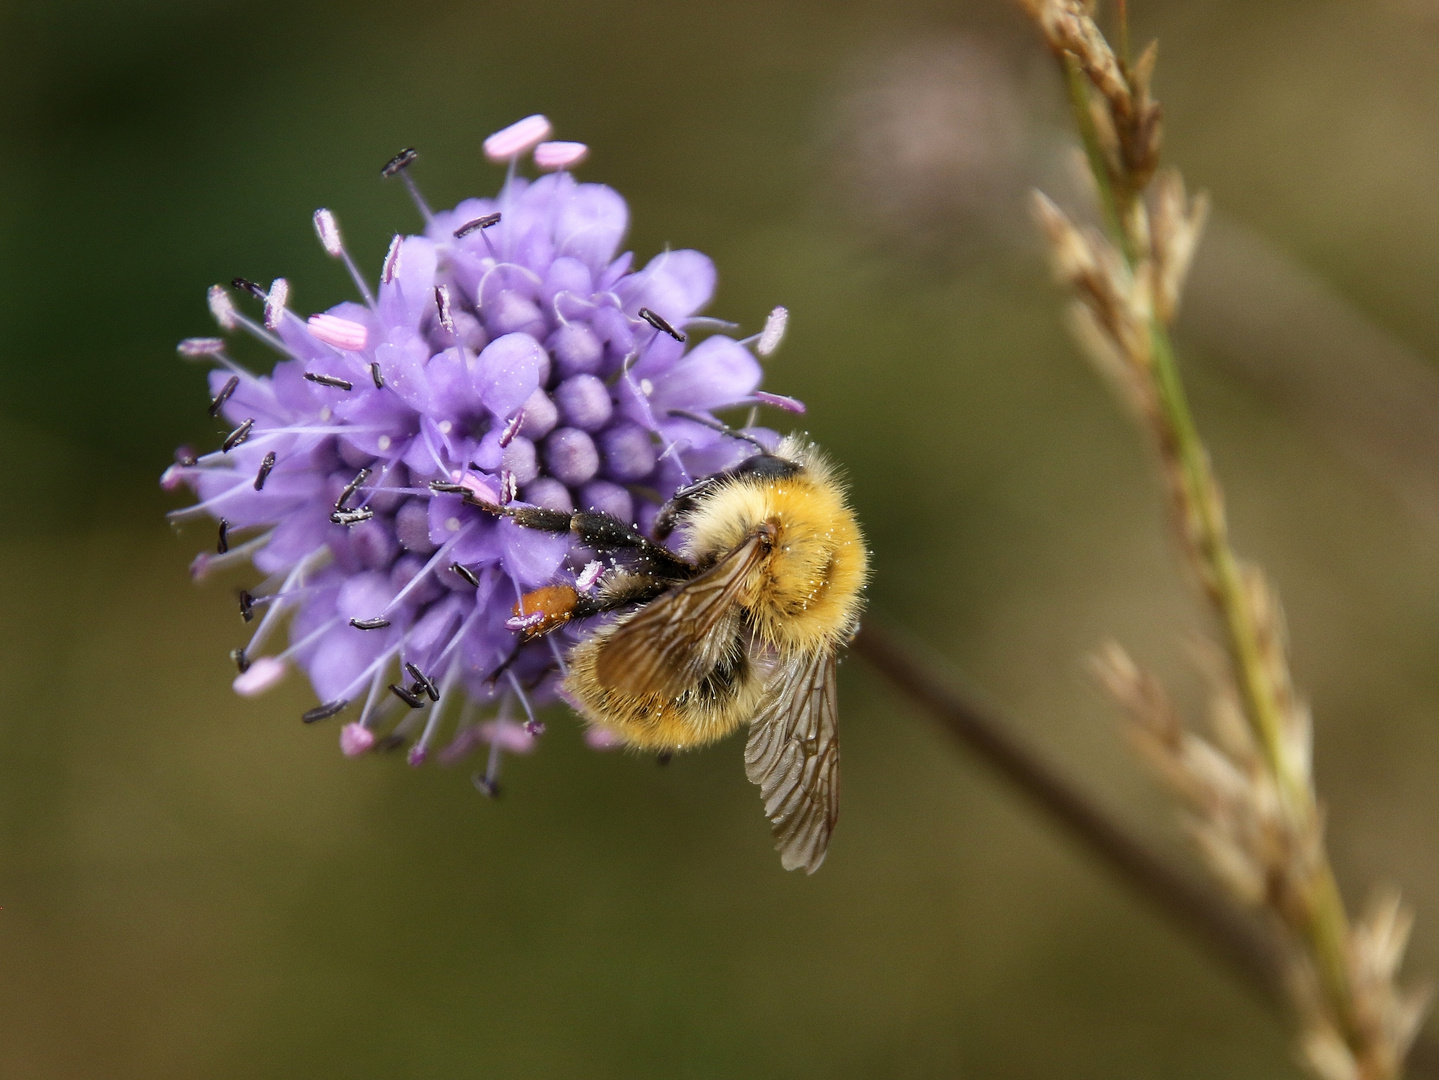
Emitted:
<point x="514" y="140"/>
<point x="560" y="155"/>
<point x="508" y="735"/>
<point x="275" y="301"/>
<point x="589" y="577"/>
<point x="779" y="401"/>
<point x="478" y="487"/>
<point x="341" y="333"/>
<point x="328" y="230"/>
<point x="222" y="307"/>
<point x="200" y="346"/>
<point x="355" y="739"/>
<point x="263" y="674"/>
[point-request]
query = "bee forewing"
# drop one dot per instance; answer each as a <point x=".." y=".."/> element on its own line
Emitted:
<point x="668" y="645"/>
<point x="793" y="755"/>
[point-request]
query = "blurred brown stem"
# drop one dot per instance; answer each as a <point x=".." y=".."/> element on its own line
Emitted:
<point x="1202" y="912"/>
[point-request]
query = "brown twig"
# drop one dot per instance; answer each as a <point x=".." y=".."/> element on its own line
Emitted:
<point x="1208" y="917"/>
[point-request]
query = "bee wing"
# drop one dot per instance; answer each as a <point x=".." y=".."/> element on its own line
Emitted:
<point x="793" y="755"/>
<point x="668" y="644"/>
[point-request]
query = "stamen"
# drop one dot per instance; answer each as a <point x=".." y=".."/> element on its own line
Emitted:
<point x="442" y="304"/>
<point x="186" y="456"/>
<point x="512" y="141"/>
<point x="779" y="401"/>
<point x="264" y="674"/>
<point x="478" y="223"/>
<point x="204" y="563"/>
<point x="773" y="333"/>
<point x="512" y="429"/>
<point x="400" y="162"/>
<point x="194" y="347"/>
<point x="222" y="545"/>
<point x="560" y="155"/>
<point x="325" y="711"/>
<point x="392" y="259"/>
<point x="524" y="622"/>
<point x="377" y="623"/>
<point x="352" y="487"/>
<point x="589" y="577"/>
<point x="218" y="402"/>
<point x="352" y="517"/>
<point x="222" y="307"/>
<point x="375" y="374"/>
<point x="466" y="573"/>
<point x="356" y="739"/>
<point x="264" y="473"/>
<point x="509" y="487"/>
<point x="341" y="333"/>
<point x="329" y="380"/>
<point x="275" y="301"/>
<point x="659" y="323"/>
<point x="720" y="426"/>
<point x="406" y="696"/>
<point x="423" y="681"/>
<point x="328" y="230"/>
<point x="246" y="285"/>
<point x="241" y="660"/>
<point x="247" y="606"/>
<point x="239" y="435"/>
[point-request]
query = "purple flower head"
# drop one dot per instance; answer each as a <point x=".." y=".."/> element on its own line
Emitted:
<point x="509" y="353"/>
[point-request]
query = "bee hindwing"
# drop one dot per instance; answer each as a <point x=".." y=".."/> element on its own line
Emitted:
<point x="671" y="643"/>
<point x="793" y="755"/>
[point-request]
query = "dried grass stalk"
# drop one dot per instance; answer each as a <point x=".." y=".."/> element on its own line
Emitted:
<point x="1247" y="784"/>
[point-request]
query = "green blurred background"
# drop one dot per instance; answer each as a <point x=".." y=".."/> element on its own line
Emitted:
<point x="193" y="885"/>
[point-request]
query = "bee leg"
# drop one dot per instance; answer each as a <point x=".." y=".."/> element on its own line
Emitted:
<point x="603" y="532"/>
<point x="550" y="607"/>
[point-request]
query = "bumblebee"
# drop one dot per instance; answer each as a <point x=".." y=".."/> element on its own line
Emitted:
<point x="742" y="626"/>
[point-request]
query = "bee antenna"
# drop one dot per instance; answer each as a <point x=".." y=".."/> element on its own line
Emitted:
<point x="720" y="426"/>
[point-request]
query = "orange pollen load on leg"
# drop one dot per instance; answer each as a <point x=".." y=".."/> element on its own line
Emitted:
<point x="554" y="602"/>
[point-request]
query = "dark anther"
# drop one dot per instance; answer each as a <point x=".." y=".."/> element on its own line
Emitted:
<point x="350" y="488"/>
<point x="406" y="696"/>
<point x="466" y="573"/>
<point x="379" y="622"/>
<point x="443" y="488"/>
<point x="400" y="162"/>
<point x="490" y="789"/>
<point x="423" y="681"/>
<point x="325" y="711"/>
<point x="442" y="305"/>
<point x="375" y="374"/>
<point x="246" y="285"/>
<point x="239" y="435"/>
<point x="660" y="324"/>
<point x="222" y="545"/>
<point x="663" y="757"/>
<point x="241" y="660"/>
<point x="185" y="456"/>
<point x="224" y="395"/>
<point x="247" y="605"/>
<point x="264" y="473"/>
<point x="329" y="380"/>
<point x="352" y="517"/>
<point x="479" y="223"/>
